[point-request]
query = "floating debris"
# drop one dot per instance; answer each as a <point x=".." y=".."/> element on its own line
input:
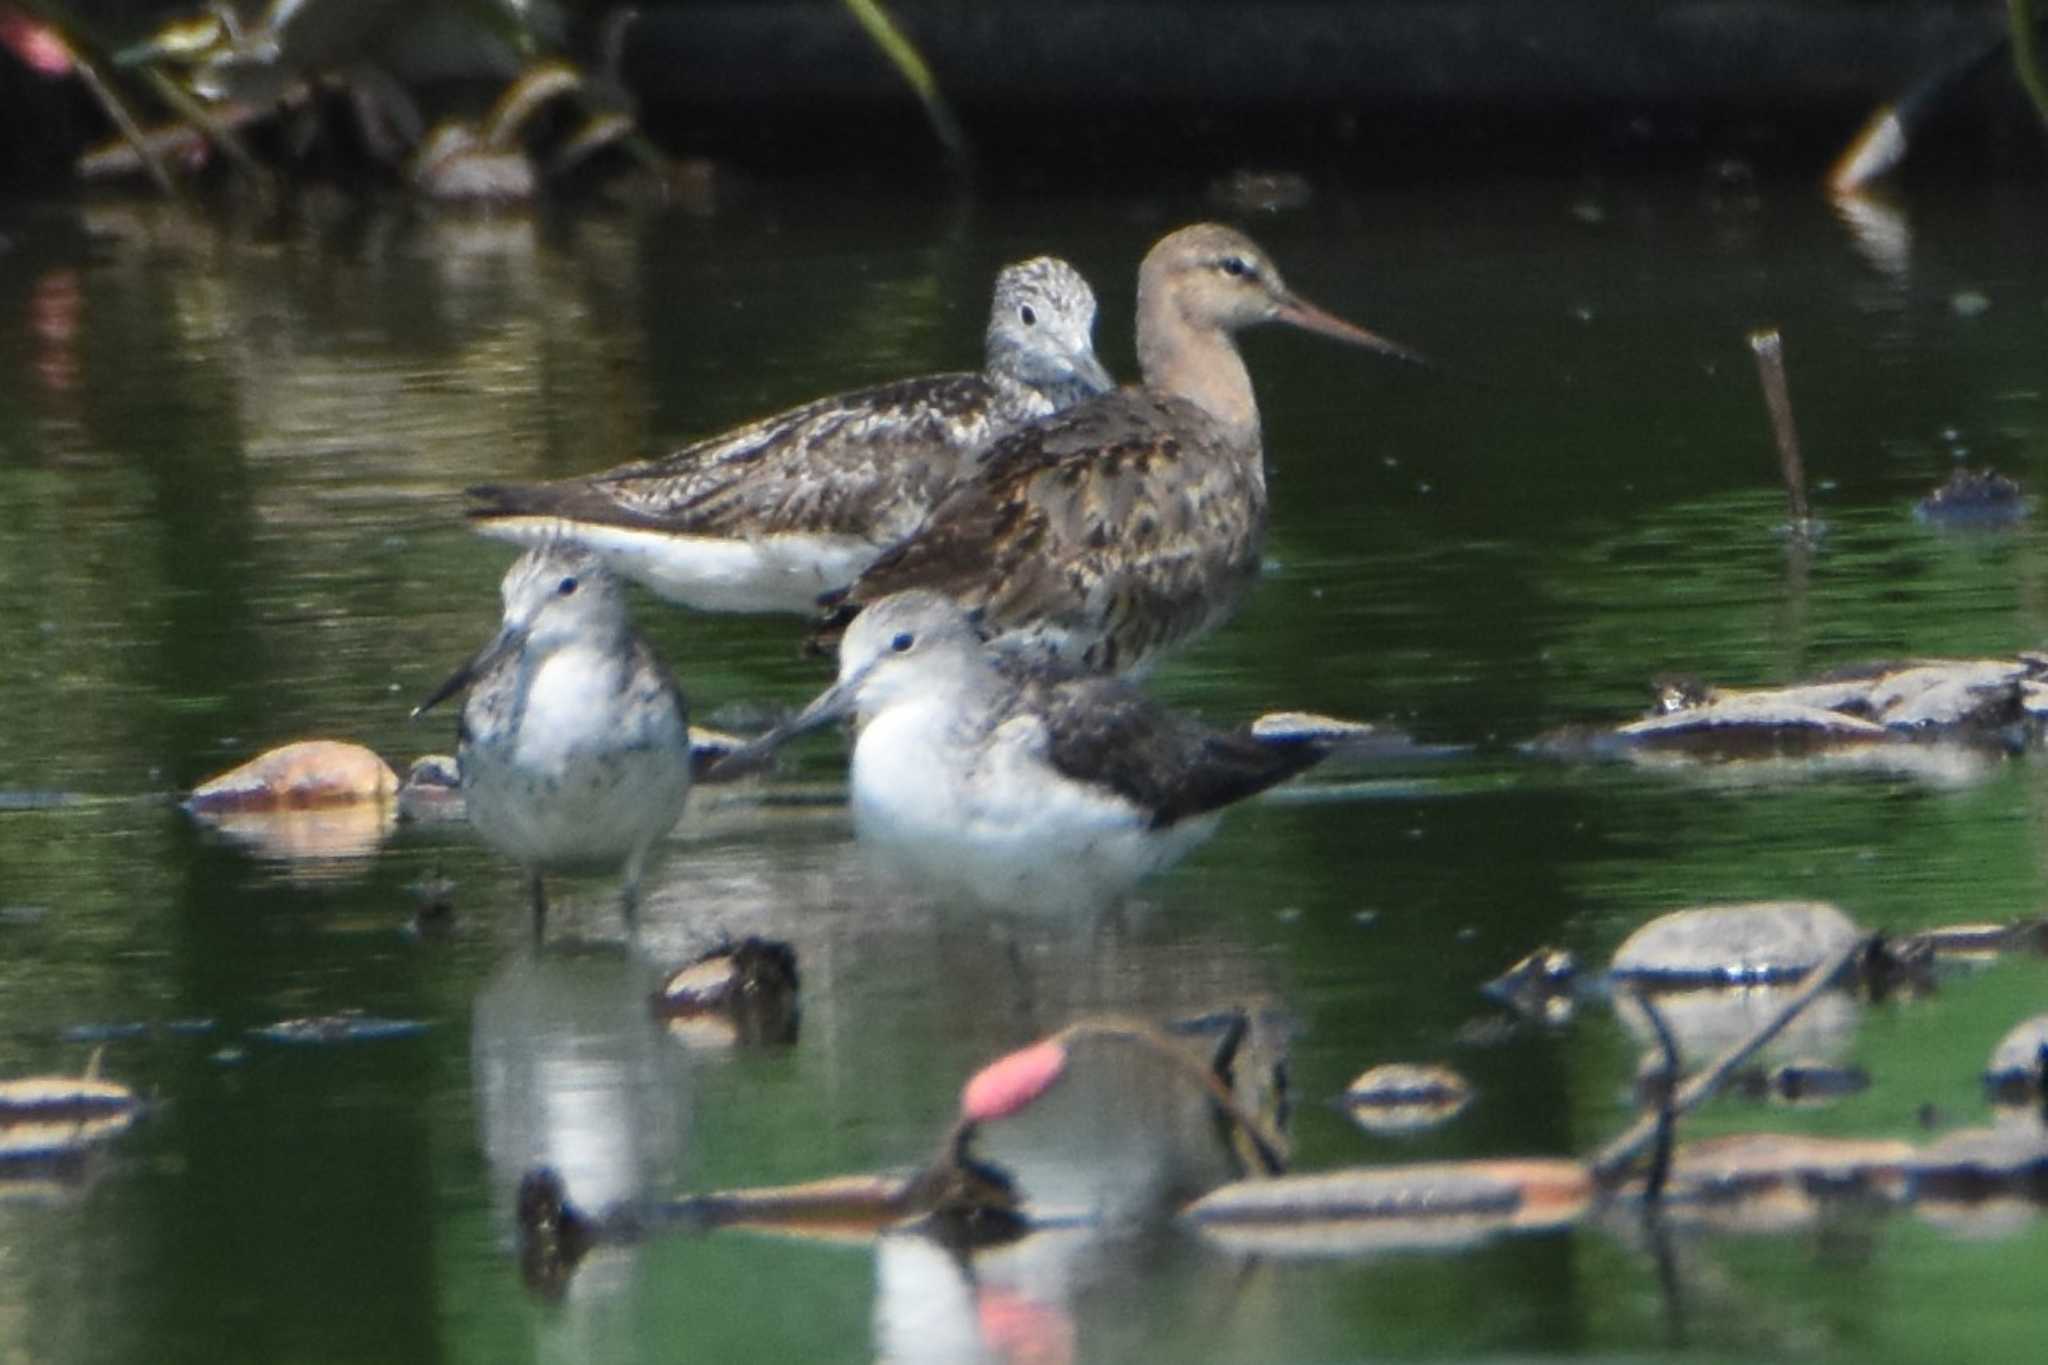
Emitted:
<point x="347" y="1026"/>
<point x="305" y="775"/>
<point x="1362" y="1211"/>
<point x="1976" y="1165"/>
<point x="432" y="790"/>
<point x="1804" y="1083"/>
<point x="1718" y="1167"/>
<point x="1747" y="944"/>
<point x="554" y="1235"/>
<point x="1717" y="972"/>
<point x="315" y="799"/>
<point x="37" y="800"/>
<point x="45" y="1098"/>
<point x="2013" y="1076"/>
<point x="50" y="1124"/>
<point x="1997" y="705"/>
<point x="1974" y="498"/>
<point x="129" y="1030"/>
<point x="433" y="903"/>
<point x="1968" y="945"/>
<point x="1403" y="1097"/>
<point x="961" y="1204"/>
<point x="1541" y="986"/>
<point x="1774" y="1182"/>
<point x="744" y="994"/>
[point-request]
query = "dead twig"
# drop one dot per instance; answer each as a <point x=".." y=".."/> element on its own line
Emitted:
<point x="1667" y="1116"/>
<point x="1611" y="1161"/>
<point x="1770" y="365"/>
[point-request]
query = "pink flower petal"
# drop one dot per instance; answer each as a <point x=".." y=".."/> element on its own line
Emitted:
<point x="37" y="45"/>
<point x="1009" y="1083"/>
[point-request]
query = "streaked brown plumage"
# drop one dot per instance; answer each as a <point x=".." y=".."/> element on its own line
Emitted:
<point x="1133" y="522"/>
<point x="769" y="515"/>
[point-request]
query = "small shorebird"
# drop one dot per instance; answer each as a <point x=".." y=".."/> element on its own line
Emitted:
<point x="772" y="515"/>
<point x="1135" y="521"/>
<point x="574" y="743"/>
<point x="1022" y="781"/>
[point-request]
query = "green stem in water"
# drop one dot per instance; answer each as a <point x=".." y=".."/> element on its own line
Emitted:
<point x="2026" y="54"/>
<point x="903" y="54"/>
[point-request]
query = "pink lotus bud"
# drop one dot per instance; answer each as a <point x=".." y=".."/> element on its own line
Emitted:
<point x="39" y="46"/>
<point x="1009" y="1083"/>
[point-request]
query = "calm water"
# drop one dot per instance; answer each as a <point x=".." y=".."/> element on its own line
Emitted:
<point x="228" y="455"/>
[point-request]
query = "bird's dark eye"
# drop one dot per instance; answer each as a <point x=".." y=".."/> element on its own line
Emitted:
<point x="903" y="641"/>
<point x="1236" y="266"/>
<point x="566" y="586"/>
<point x="1027" y="315"/>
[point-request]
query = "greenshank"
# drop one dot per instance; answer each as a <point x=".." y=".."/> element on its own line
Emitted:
<point x="574" y="742"/>
<point x="1022" y="781"/>
<point x="772" y="515"/>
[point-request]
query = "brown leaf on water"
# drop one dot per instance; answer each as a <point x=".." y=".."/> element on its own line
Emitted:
<point x="305" y="775"/>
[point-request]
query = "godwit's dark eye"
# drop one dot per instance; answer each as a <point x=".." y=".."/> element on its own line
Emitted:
<point x="1236" y="266"/>
<point x="1027" y="315"/>
<point x="903" y="641"/>
<point x="566" y="586"/>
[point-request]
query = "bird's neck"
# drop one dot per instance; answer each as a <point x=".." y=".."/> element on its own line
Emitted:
<point x="1018" y="402"/>
<point x="1199" y="365"/>
<point x="952" y="702"/>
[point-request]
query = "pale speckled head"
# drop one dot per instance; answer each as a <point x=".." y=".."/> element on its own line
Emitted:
<point x="1041" y="330"/>
<point x="898" y="648"/>
<point x="557" y="593"/>
<point x="1214" y="278"/>
<point x="554" y="595"/>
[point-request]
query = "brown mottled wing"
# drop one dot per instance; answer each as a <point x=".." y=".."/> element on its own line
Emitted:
<point x="1106" y="732"/>
<point x="868" y="463"/>
<point x="1125" y="525"/>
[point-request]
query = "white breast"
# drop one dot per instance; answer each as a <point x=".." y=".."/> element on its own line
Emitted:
<point x="569" y="710"/>
<point x="989" y="816"/>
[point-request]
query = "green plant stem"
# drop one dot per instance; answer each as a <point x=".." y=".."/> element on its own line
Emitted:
<point x="903" y="54"/>
<point x="2026" y="54"/>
